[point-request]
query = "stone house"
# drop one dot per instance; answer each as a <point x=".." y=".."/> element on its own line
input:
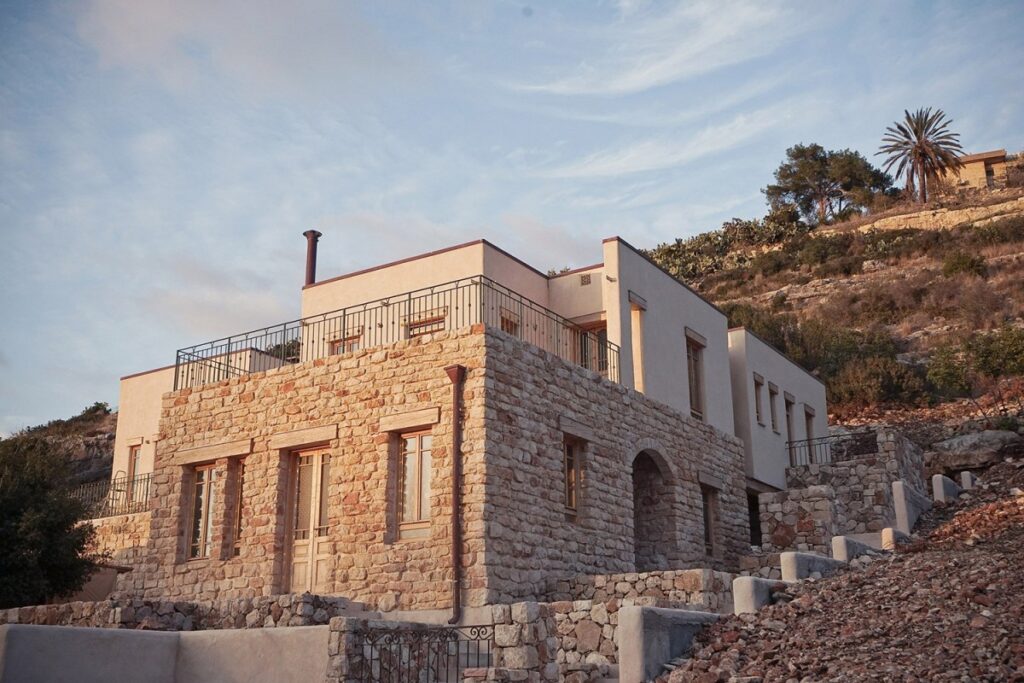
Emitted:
<point x="983" y="170"/>
<point x="454" y="430"/>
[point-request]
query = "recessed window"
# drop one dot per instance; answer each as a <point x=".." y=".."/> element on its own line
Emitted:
<point x="773" y="396"/>
<point x="414" y="462"/>
<point x="426" y="322"/>
<point x="695" y="372"/>
<point x="200" y="543"/>
<point x="509" y="322"/>
<point x="239" y="495"/>
<point x="758" y="390"/>
<point x="809" y="422"/>
<point x="709" y="503"/>
<point x="571" y="467"/>
<point x="345" y="345"/>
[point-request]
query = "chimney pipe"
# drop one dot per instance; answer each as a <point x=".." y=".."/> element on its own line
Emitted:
<point x="311" y="238"/>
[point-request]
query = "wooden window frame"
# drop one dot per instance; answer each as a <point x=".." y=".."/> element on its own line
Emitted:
<point x="203" y="546"/>
<point x="572" y="475"/>
<point x="695" y="378"/>
<point x="508" y="321"/>
<point x="236" y="541"/>
<point x="426" y="323"/>
<point x="412" y="529"/>
<point x="349" y="344"/>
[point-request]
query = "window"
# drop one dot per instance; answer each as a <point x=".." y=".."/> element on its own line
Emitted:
<point x="809" y="422"/>
<point x="509" y="322"/>
<point x="637" y="341"/>
<point x="593" y="347"/>
<point x="414" y="485"/>
<point x="134" y="453"/>
<point x="571" y="474"/>
<point x="694" y="368"/>
<point x="345" y="345"/>
<point x="709" y="504"/>
<point x="200" y="539"/>
<point x="239" y="492"/>
<point x="790" y="437"/>
<point x="426" y="322"/>
<point x="773" y="395"/>
<point x="758" y="390"/>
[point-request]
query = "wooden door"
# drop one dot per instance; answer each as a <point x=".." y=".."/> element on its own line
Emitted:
<point x="311" y="554"/>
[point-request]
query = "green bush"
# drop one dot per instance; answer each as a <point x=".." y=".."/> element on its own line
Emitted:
<point x="960" y="262"/>
<point x="869" y="382"/>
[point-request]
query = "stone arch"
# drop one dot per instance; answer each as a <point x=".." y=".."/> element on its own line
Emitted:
<point x="654" y="520"/>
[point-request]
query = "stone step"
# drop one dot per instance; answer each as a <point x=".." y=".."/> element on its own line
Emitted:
<point x="797" y="566"/>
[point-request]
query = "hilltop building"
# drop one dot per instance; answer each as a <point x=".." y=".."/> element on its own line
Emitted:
<point x="454" y="430"/>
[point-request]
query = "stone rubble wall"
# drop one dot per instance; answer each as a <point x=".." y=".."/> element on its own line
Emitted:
<point x="702" y="589"/>
<point x="802" y="519"/>
<point x="121" y="538"/>
<point x="531" y="397"/>
<point x="765" y="565"/>
<point x="165" y="615"/>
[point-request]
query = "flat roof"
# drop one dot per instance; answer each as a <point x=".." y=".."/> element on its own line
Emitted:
<point x="983" y="156"/>
<point x="428" y="254"/>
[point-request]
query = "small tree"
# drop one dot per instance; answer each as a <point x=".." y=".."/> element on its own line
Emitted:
<point x="42" y="542"/>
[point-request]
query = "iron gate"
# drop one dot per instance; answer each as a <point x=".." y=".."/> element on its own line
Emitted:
<point x="420" y="655"/>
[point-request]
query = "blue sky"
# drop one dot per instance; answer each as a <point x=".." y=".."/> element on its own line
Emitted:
<point x="160" y="160"/>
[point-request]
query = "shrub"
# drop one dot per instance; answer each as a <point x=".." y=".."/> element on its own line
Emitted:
<point x="960" y="262"/>
<point x="870" y="382"/>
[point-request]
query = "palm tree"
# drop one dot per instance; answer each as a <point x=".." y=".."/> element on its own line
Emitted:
<point x="922" y="148"/>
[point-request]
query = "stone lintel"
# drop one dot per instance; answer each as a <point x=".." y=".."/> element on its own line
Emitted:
<point x="303" y="437"/>
<point x="228" y="449"/>
<point x="711" y="480"/>
<point x="412" y="419"/>
<point x="575" y="428"/>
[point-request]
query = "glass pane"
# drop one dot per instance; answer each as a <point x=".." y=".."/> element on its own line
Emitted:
<point x="408" y="511"/>
<point x="425" y="464"/>
<point x="325" y="481"/>
<point x="303" y="497"/>
<point x="211" y="507"/>
<point x="196" y="529"/>
<point x="426" y="441"/>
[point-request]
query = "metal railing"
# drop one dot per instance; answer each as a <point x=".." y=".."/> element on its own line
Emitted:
<point x="831" y="448"/>
<point x="420" y="655"/>
<point x="117" y="496"/>
<point x="449" y="306"/>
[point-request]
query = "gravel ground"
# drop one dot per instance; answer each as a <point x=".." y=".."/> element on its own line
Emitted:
<point x="948" y="607"/>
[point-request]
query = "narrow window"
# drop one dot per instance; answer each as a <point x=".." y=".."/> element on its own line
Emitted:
<point x="789" y="427"/>
<point x="509" y="322"/>
<point x="773" y="395"/>
<point x="709" y="503"/>
<point x="695" y="370"/>
<point x="758" y="390"/>
<point x="203" y="509"/>
<point x="637" y="339"/>
<point x="134" y="454"/>
<point x="809" y="423"/>
<point x="345" y="345"/>
<point x="323" y="523"/>
<point x="414" y="485"/>
<point x="239" y="493"/>
<point x="571" y="475"/>
<point x="427" y="322"/>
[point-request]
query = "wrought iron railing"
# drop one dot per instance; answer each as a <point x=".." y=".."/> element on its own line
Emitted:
<point x="425" y="654"/>
<point x="831" y="448"/>
<point x="449" y="306"/>
<point x="117" y="496"/>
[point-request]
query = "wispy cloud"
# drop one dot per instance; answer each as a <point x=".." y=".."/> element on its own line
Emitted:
<point x="687" y="41"/>
<point x="667" y="152"/>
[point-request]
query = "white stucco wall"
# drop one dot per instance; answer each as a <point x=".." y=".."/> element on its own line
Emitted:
<point x="765" y="447"/>
<point x="573" y="300"/>
<point x="671" y="309"/>
<point x="138" y="417"/>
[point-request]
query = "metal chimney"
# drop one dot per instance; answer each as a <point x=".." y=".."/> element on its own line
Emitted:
<point x="311" y="239"/>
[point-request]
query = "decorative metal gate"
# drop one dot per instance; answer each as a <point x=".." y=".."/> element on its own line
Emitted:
<point x="420" y="655"/>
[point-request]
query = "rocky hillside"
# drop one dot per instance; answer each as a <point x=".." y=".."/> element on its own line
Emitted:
<point x="949" y="606"/>
<point x="87" y="438"/>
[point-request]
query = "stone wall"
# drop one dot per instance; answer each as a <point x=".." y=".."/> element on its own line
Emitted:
<point x="121" y="538"/>
<point x="702" y="589"/>
<point x="533" y="401"/>
<point x="165" y="615"/>
<point x="519" y="405"/>
<point x="798" y="519"/>
<point x="842" y="497"/>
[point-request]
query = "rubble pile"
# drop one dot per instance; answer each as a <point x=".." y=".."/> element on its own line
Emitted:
<point x="948" y="607"/>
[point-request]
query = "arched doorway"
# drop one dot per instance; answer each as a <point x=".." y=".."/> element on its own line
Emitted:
<point x="653" y="521"/>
